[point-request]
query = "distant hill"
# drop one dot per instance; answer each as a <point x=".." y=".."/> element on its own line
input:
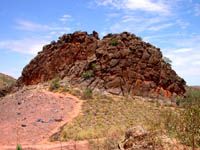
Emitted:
<point x="6" y="80"/>
<point x="196" y="86"/>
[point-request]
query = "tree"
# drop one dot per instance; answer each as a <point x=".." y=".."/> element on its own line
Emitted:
<point x="167" y="60"/>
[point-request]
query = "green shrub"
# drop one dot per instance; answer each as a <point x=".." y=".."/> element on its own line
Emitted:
<point x="87" y="94"/>
<point x="113" y="42"/>
<point x="54" y="84"/>
<point x="185" y="125"/>
<point x="193" y="97"/>
<point x="87" y="74"/>
<point x="178" y="101"/>
<point x="18" y="147"/>
<point x="93" y="65"/>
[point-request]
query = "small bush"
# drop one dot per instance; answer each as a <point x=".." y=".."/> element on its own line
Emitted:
<point x="113" y="42"/>
<point x="87" y="94"/>
<point x="178" y="101"/>
<point x="18" y="147"/>
<point x="185" y="125"/>
<point x="193" y="97"/>
<point x="54" y="84"/>
<point x="87" y="74"/>
<point x="93" y="65"/>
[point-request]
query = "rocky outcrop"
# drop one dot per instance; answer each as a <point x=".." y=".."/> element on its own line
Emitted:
<point x="120" y="64"/>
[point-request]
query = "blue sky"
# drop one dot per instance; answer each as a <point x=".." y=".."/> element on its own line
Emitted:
<point x="172" y="25"/>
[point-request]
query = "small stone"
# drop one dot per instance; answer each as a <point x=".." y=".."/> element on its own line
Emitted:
<point x="51" y="120"/>
<point x="41" y="120"/>
<point x="23" y="125"/>
<point x="58" y="119"/>
<point x="56" y="111"/>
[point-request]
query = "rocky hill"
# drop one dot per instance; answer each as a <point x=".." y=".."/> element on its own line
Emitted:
<point x="120" y="64"/>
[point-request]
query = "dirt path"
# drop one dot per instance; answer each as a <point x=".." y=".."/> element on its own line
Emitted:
<point x="30" y="118"/>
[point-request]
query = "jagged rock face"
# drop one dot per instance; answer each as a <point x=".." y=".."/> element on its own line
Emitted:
<point x="119" y="64"/>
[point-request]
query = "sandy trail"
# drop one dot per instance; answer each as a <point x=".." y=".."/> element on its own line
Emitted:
<point x="30" y="118"/>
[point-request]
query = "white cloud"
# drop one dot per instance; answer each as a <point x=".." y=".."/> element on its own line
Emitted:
<point x="103" y="33"/>
<point x="143" y="5"/>
<point x="129" y="18"/>
<point x="186" y="41"/>
<point x="27" y="46"/>
<point x="65" y="18"/>
<point x="196" y="63"/>
<point x="53" y="33"/>
<point x="136" y="24"/>
<point x="146" y="5"/>
<point x="182" y="23"/>
<point x="185" y="61"/>
<point x="160" y="36"/>
<point x="112" y="15"/>
<point x="31" y="26"/>
<point x="197" y="10"/>
<point x="183" y="50"/>
<point x="160" y="27"/>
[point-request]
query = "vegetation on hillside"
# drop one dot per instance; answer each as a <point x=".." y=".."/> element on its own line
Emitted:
<point x="113" y="41"/>
<point x="109" y="117"/>
<point x="54" y="84"/>
<point x="105" y="119"/>
<point x="6" y="81"/>
<point x="185" y="123"/>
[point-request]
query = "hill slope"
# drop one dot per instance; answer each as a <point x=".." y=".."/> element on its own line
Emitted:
<point x="6" y="81"/>
<point x="120" y="64"/>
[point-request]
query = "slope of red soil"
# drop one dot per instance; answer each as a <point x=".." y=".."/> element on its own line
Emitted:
<point x="30" y="118"/>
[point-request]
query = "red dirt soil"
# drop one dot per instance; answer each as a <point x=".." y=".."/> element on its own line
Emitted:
<point x="30" y="118"/>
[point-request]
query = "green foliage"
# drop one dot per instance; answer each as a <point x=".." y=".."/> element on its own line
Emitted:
<point x="178" y="101"/>
<point x="87" y="94"/>
<point x="113" y="41"/>
<point x="54" y="84"/>
<point x="139" y="38"/>
<point x="87" y="74"/>
<point x="93" y="65"/>
<point x="193" y="97"/>
<point x="18" y="147"/>
<point x="185" y="124"/>
<point x="167" y="60"/>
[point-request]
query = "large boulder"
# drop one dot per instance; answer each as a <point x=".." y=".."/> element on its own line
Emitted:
<point x="120" y="64"/>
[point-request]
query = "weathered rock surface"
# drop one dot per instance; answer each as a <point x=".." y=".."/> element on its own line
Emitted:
<point x="119" y="64"/>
